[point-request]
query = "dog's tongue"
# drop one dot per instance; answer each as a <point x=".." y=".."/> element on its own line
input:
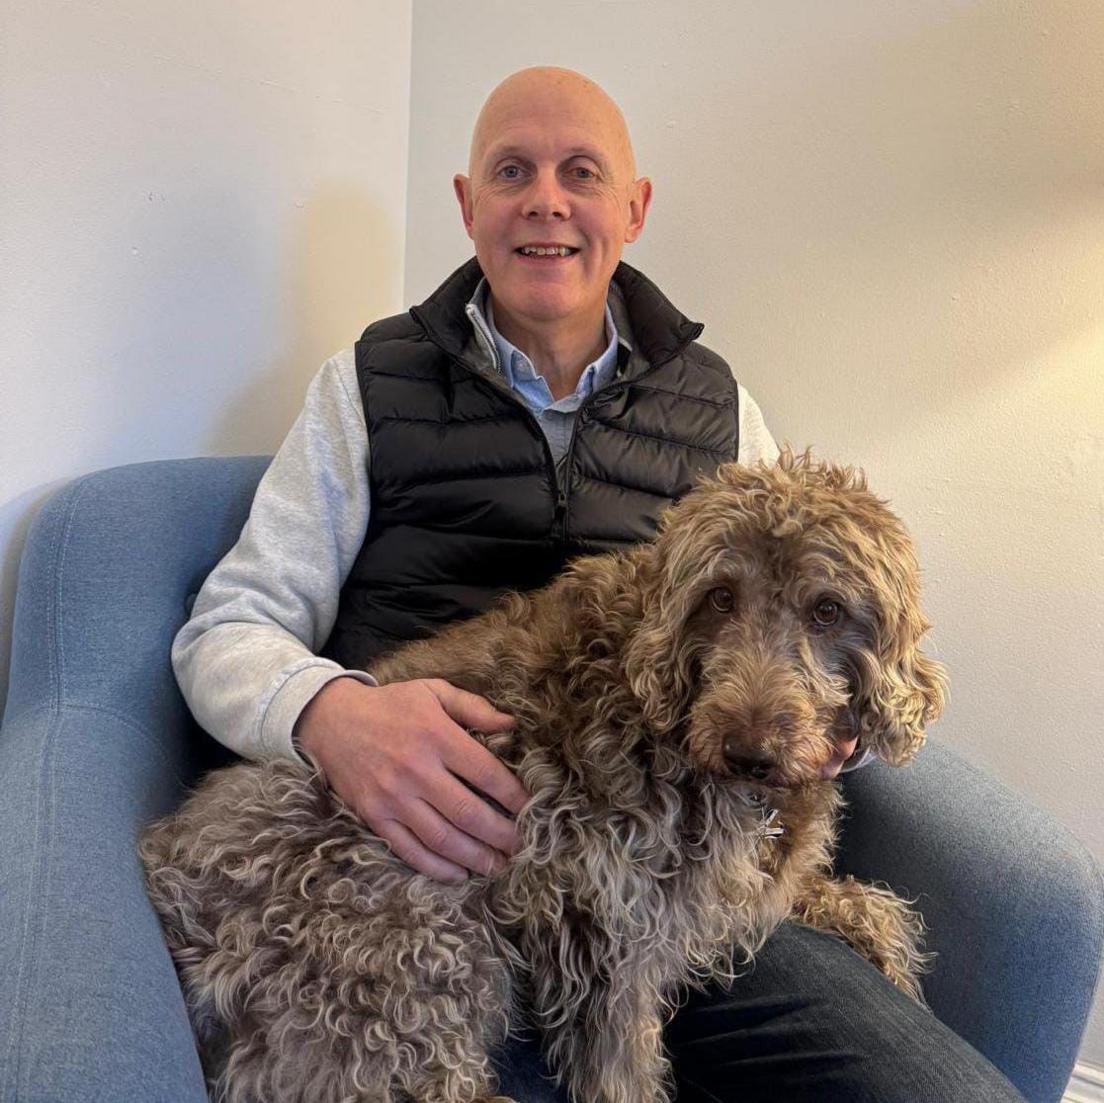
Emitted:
<point x="832" y="767"/>
<point x="844" y="750"/>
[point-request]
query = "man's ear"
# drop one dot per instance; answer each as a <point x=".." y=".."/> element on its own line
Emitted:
<point x="462" y="186"/>
<point x="640" y="199"/>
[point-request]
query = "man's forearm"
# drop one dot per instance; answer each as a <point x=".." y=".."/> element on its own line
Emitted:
<point x="246" y="660"/>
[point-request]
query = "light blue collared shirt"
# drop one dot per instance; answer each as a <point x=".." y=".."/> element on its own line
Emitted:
<point x="556" y="417"/>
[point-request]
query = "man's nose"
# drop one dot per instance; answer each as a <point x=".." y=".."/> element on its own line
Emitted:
<point x="546" y="198"/>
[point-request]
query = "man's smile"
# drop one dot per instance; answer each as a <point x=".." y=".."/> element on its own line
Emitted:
<point x="545" y="251"/>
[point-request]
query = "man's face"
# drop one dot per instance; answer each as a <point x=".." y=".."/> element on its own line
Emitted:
<point x="551" y="201"/>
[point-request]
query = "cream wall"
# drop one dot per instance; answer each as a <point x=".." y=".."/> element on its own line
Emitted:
<point x="891" y="217"/>
<point x="201" y="202"/>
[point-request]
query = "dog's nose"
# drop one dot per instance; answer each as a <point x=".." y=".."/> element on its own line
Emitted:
<point x="739" y="761"/>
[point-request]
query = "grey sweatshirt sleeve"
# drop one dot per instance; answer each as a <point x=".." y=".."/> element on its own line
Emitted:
<point x="245" y="660"/>
<point x="756" y="442"/>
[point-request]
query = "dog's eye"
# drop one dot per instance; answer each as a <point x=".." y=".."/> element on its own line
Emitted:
<point x="722" y="599"/>
<point x="827" y="612"/>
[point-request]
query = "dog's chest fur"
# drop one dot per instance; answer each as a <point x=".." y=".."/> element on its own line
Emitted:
<point x="667" y="878"/>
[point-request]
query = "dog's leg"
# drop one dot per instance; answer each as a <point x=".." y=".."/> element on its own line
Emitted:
<point x="607" y="1043"/>
<point x="873" y="921"/>
<point x="620" y="1054"/>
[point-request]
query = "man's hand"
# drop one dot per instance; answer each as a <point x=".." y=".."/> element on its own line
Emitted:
<point x="395" y="754"/>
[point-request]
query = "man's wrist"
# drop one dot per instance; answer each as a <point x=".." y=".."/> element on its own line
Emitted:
<point x="310" y="726"/>
<point x="289" y="720"/>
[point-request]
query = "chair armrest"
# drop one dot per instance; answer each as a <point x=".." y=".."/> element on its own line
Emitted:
<point x="96" y="741"/>
<point x="1014" y="904"/>
<point x="90" y="1006"/>
<point x="109" y="565"/>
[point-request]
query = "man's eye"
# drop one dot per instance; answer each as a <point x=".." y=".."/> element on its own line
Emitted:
<point x="582" y="173"/>
<point x="509" y="172"/>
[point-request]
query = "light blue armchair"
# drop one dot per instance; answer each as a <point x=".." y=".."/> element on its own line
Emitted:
<point x="96" y="740"/>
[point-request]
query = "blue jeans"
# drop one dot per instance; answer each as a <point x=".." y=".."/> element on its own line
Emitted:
<point x="812" y="1022"/>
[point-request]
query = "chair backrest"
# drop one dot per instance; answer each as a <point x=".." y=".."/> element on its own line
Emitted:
<point x="110" y="565"/>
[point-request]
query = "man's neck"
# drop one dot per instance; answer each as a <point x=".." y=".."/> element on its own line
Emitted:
<point x="559" y="353"/>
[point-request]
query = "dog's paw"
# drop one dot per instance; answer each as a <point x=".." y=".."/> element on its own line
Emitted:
<point x="892" y="937"/>
<point x="875" y="922"/>
<point x="908" y="977"/>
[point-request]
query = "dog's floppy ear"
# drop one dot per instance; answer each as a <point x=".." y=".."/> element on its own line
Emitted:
<point x="660" y="659"/>
<point x="900" y="692"/>
<point x="658" y="664"/>
<point x="897" y="690"/>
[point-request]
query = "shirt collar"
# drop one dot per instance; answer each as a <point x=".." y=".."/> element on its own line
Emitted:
<point x="516" y="367"/>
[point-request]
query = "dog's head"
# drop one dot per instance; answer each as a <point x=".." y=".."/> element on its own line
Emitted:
<point x="781" y="626"/>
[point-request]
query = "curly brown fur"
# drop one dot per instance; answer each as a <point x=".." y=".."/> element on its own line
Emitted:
<point x="318" y="966"/>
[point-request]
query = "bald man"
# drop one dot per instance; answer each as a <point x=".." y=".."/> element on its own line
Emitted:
<point x="546" y="401"/>
<point x="469" y="446"/>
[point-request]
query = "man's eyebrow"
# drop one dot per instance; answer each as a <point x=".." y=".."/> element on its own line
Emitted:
<point x="497" y="153"/>
<point x="586" y="151"/>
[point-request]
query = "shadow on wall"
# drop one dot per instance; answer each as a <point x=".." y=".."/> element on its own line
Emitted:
<point x="213" y="349"/>
<point x="347" y="274"/>
<point x="205" y="307"/>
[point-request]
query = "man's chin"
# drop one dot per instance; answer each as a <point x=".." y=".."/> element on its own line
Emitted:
<point x="547" y="304"/>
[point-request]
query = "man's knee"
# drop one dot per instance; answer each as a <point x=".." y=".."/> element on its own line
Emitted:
<point x="811" y="1021"/>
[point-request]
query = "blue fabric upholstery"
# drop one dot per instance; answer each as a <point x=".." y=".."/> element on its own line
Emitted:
<point x="96" y="740"/>
<point x="1013" y="902"/>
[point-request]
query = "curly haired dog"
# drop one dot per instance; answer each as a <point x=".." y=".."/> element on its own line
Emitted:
<point x="677" y="707"/>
